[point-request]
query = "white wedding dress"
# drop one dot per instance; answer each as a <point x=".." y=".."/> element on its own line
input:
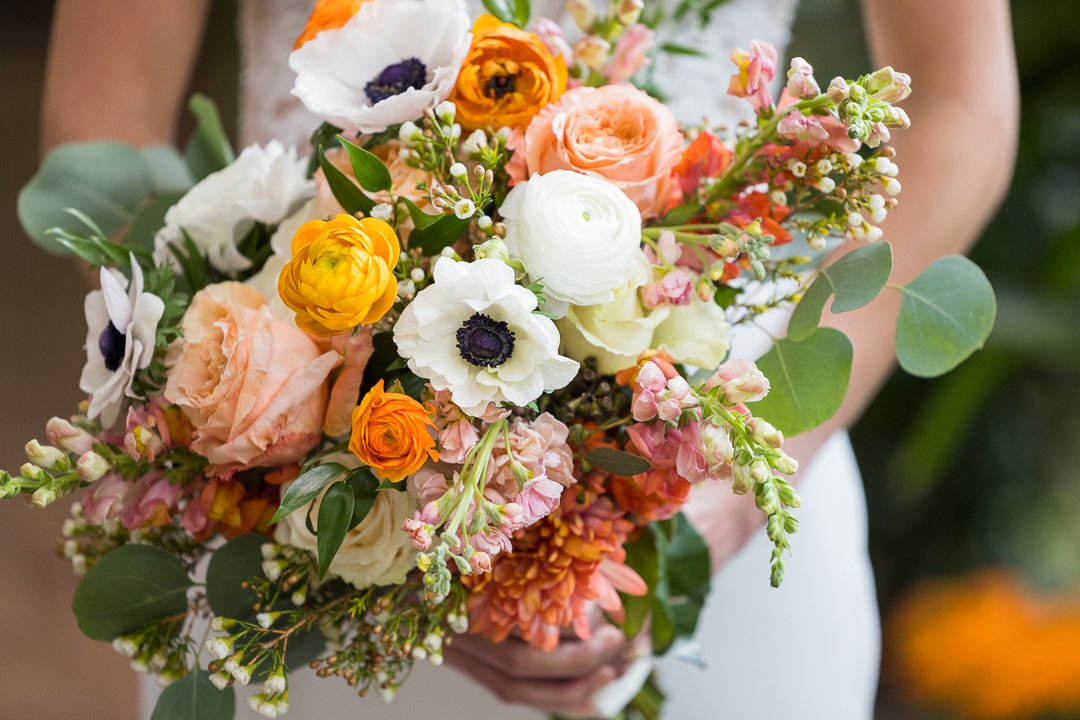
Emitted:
<point x="808" y="650"/>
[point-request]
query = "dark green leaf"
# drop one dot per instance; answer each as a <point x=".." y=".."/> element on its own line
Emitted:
<point x="679" y="215"/>
<point x="365" y="488"/>
<point x="854" y="279"/>
<point x="809" y="380"/>
<point x="193" y="697"/>
<point x="661" y="627"/>
<point x="641" y="556"/>
<point x="233" y="564"/>
<point x="432" y="233"/>
<point x="304" y="647"/>
<point x="618" y="462"/>
<point x="108" y="181"/>
<point x="370" y="171"/>
<point x="725" y="295"/>
<point x="148" y="220"/>
<point x="128" y="589"/>
<point x="688" y="574"/>
<point x="324" y="136"/>
<point x="335" y="514"/>
<point x="946" y="314"/>
<point x="209" y="149"/>
<point x="346" y="192"/>
<point x="307" y="487"/>
<point x="676" y="49"/>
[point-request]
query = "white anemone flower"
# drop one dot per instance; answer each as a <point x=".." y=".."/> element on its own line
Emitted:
<point x="265" y="184"/>
<point x="475" y="332"/>
<point x="389" y="63"/>
<point x="122" y="325"/>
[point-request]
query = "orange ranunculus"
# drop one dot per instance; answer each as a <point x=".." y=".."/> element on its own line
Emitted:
<point x="328" y="15"/>
<point x="508" y="76"/>
<point x="341" y="274"/>
<point x="390" y="434"/>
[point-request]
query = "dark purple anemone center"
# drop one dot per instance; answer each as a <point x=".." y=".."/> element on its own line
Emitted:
<point x="485" y="342"/>
<point x="112" y="344"/>
<point x="396" y="79"/>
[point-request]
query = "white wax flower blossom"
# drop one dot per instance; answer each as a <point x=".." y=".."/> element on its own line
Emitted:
<point x="565" y="227"/>
<point x="697" y="334"/>
<point x="389" y="63"/>
<point x="121" y="323"/>
<point x="264" y="184"/>
<point x="474" y="331"/>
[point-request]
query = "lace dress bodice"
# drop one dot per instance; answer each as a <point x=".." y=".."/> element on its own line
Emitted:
<point x="696" y="86"/>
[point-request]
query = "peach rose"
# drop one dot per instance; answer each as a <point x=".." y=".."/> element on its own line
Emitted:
<point x="617" y="133"/>
<point x="253" y="387"/>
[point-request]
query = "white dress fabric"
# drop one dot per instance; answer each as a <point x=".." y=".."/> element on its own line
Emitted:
<point x="808" y="650"/>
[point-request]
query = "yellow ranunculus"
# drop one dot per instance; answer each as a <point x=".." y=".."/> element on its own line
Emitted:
<point x="509" y="75"/>
<point x="341" y="274"/>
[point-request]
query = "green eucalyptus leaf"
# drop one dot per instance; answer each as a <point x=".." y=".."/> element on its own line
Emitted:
<point x="107" y="181"/>
<point x="130" y="588"/>
<point x="307" y="487"/>
<point x="345" y="191"/>
<point x="365" y="488"/>
<point x="209" y="149"/>
<point x="618" y="462"/>
<point x="148" y="220"/>
<point x="194" y="697"/>
<point x="809" y="380"/>
<point x="233" y="564"/>
<point x="370" y="171"/>
<point x="169" y="173"/>
<point x="946" y="314"/>
<point x="335" y="514"/>
<point x="432" y="233"/>
<point x="854" y="279"/>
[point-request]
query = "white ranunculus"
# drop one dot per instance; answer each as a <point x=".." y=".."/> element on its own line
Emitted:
<point x="389" y="63"/>
<point x="475" y="332"/>
<point x="375" y="552"/>
<point x="121" y="323"/>
<point x="696" y="334"/>
<point x="265" y="184"/>
<point x="616" y="332"/>
<point x="266" y="280"/>
<point x="578" y="235"/>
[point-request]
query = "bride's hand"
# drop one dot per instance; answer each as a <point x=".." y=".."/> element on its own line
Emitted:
<point x="562" y="681"/>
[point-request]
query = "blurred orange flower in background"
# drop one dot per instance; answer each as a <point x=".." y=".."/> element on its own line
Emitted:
<point x="508" y="76"/>
<point x="328" y="15"/>
<point x="988" y="647"/>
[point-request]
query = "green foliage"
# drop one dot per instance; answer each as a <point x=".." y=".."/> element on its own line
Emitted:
<point x="365" y="488"/>
<point x="130" y="588"/>
<point x="108" y="181"/>
<point x="236" y="562"/>
<point x="369" y="170"/>
<point x="147" y="221"/>
<point x="854" y="279"/>
<point x="511" y="11"/>
<point x="809" y="380"/>
<point x="209" y="149"/>
<point x="335" y="516"/>
<point x="618" y="462"/>
<point x="193" y="697"/>
<point x="946" y="314"/>
<point x="307" y="487"/>
<point x="169" y="172"/>
<point x="345" y="191"/>
<point x="432" y="233"/>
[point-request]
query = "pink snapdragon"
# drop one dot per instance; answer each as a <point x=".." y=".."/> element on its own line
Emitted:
<point x="538" y="498"/>
<point x="801" y="82"/>
<point x="757" y="68"/>
<point x="106" y="499"/>
<point x="796" y="126"/>
<point x="740" y="381"/>
<point x="66" y="436"/>
<point x="656" y="394"/>
<point x="551" y="33"/>
<point x="152" y="504"/>
<point x="421" y="527"/>
<point x="630" y="55"/>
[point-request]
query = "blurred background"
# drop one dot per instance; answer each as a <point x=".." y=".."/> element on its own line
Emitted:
<point x="972" y="480"/>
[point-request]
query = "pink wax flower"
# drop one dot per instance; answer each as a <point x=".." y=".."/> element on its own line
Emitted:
<point x="630" y="55"/>
<point x="674" y="288"/>
<point x="740" y="381"/>
<point x="756" y="69"/>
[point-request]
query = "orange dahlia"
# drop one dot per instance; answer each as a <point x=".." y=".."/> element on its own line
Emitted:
<point x="557" y="567"/>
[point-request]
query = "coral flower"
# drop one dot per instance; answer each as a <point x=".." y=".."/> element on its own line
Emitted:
<point x="557" y="569"/>
<point x="341" y="274"/>
<point x="327" y="15"/>
<point x="508" y="76"/>
<point x="390" y="434"/>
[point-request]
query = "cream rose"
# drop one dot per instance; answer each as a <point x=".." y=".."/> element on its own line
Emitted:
<point x="615" y="333"/>
<point x="375" y="552"/>
<point x="254" y="387"/>
<point x="578" y="235"/>
<point x="697" y="334"/>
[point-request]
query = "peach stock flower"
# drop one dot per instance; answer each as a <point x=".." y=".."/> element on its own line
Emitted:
<point x="390" y="434"/>
<point x="253" y="387"/>
<point x="616" y="133"/>
<point x="327" y="15"/>
<point x="508" y="76"/>
<point x="341" y="274"/>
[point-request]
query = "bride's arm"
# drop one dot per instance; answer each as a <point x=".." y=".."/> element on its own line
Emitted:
<point x="117" y="69"/>
<point x="956" y="162"/>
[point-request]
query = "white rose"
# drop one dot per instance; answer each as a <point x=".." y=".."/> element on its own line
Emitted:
<point x="615" y="333"/>
<point x="697" y="334"/>
<point x="375" y="552"/>
<point x="578" y="235"/>
<point x="264" y="184"/>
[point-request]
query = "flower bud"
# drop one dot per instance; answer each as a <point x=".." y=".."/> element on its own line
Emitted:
<point x="221" y="680"/>
<point x="592" y="51"/>
<point x="446" y="111"/>
<point x="583" y="12"/>
<point x="629" y="11"/>
<point x="382" y="211"/>
<point x="476" y="143"/>
<point x="838" y="90"/>
<point x="458" y="170"/>
<point x="889" y="86"/>
<point x="786" y="464"/>
<point x="409" y="132"/>
<point x="46" y="456"/>
<point x="43" y="497"/>
<point x="92" y="466"/>
<point x="493" y="248"/>
<point x="65" y="435"/>
<point x="765" y="433"/>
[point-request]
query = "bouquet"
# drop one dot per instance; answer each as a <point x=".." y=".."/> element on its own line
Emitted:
<point x="459" y="369"/>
